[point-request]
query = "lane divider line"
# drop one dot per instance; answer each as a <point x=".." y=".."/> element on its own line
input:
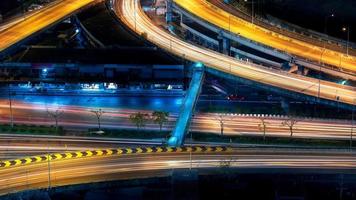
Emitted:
<point x="106" y="152"/>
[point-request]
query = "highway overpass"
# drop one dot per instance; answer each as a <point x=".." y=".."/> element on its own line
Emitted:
<point x="145" y="26"/>
<point x="33" y="24"/>
<point x="225" y="35"/>
<point x="135" y="18"/>
<point x="221" y="18"/>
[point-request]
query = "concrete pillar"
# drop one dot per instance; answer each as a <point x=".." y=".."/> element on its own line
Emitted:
<point x="169" y="11"/>
<point x="224" y="45"/>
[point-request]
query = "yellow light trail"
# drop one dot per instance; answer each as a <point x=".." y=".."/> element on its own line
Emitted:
<point x="39" y="21"/>
<point x="225" y="20"/>
<point x="133" y="16"/>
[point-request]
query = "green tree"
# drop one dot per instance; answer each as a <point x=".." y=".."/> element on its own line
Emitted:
<point x="139" y="119"/>
<point x="160" y="117"/>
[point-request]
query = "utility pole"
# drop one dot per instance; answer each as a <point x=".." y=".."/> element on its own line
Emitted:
<point x="348" y="38"/>
<point x="10" y="106"/>
<point x="326" y="23"/>
<point x="352" y="123"/>
<point x="252" y="10"/>
<point x="49" y="167"/>
<point x="320" y="63"/>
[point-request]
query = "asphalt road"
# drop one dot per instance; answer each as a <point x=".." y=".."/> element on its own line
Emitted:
<point x="38" y="21"/>
<point x="134" y="17"/>
<point x="229" y="22"/>
<point x="17" y="146"/>
<point x="80" y="118"/>
<point x="138" y="21"/>
<point x="118" y="167"/>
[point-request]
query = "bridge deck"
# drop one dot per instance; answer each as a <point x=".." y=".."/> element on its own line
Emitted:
<point x="35" y="23"/>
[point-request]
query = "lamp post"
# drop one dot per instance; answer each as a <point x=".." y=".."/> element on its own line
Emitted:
<point x="347" y="30"/>
<point x="326" y="23"/>
<point x="10" y="104"/>
<point x="352" y="123"/>
<point x="252" y="10"/>
<point x="324" y="49"/>
<point x="320" y="63"/>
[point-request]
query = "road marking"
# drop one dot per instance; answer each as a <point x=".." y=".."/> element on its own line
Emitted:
<point x="120" y="151"/>
<point x="89" y="153"/>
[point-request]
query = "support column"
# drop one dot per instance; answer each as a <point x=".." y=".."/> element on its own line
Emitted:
<point x="169" y="12"/>
<point x="224" y="44"/>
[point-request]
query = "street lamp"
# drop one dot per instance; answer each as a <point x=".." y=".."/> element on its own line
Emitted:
<point x="352" y="123"/>
<point x="347" y="29"/>
<point x="10" y="104"/>
<point x="320" y="63"/>
<point x="326" y="23"/>
<point x="253" y="9"/>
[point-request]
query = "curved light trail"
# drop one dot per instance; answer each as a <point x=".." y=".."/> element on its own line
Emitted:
<point x="221" y="18"/>
<point x="120" y="167"/>
<point x="133" y="16"/>
<point x="80" y="118"/>
<point x="40" y="20"/>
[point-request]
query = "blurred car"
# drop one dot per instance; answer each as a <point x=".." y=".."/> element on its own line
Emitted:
<point x="235" y="97"/>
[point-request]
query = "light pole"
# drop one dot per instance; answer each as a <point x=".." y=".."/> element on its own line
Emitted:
<point x="49" y="166"/>
<point x="326" y="23"/>
<point x="344" y="29"/>
<point x="320" y="63"/>
<point x="324" y="49"/>
<point x="252" y="10"/>
<point x="352" y="123"/>
<point x="10" y="106"/>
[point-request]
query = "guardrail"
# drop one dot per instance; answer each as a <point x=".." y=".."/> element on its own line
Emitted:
<point x="109" y="152"/>
<point x="294" y="30"/>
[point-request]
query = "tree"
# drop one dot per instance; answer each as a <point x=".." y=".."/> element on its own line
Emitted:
<point x="290" y="122"/>
<point x="221" y="118"/>
<point x="139" y="119"/>
<point x="262" y="126"/>
<point x="56" y="114"/>
<point x="160" y="117"/>
<point x="98" y="113"/>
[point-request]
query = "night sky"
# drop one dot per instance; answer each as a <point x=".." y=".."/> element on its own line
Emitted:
<point x="6" y="5"/>
<point x="311" y="14"/>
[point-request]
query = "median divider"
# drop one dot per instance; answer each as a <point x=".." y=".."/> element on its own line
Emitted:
<point x="107" y="152"/>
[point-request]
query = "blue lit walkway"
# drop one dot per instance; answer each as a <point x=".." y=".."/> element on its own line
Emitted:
<point x="186" y="112"/>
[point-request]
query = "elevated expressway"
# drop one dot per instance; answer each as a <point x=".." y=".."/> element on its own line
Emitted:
<point x="40" y="20"/>
<point x="223" y="19"/>
<point x="130" y="12"/>
<point x="136" y="19"/>
<point x="71" y="168"/>
<point x="290" y="30"/>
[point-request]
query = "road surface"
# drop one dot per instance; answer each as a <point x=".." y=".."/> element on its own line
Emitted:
<point x="118" y="167"/>
<point x="80" y="118"/>
<point x="227" y="21"/>
<point x="38" y="21"/>
<point x="134" y="17"/>
<point x="15" y="146"/>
